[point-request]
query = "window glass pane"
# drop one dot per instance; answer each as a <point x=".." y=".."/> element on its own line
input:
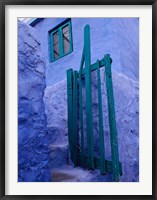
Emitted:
<point x="56" y="44"/>
<point x="66" y="39"/>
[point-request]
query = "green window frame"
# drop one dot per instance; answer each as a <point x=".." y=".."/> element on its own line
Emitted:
<point x="61" y="41"/>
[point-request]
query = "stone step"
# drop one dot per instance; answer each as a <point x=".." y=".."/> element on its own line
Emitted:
<point x="62" y="169"/>
<point x="69" y="174"/>
<point x="77" y="174"/>
<point x="59" y="155"/>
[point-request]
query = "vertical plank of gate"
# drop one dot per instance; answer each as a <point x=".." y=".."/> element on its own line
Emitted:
<point x="70" y="109"/>
<point x="112" y="120"/>
<point x="101" y="131"/>
<point x="75" y="110"/>
<point x="89" y="117"/>
<point x="81" y="118"/>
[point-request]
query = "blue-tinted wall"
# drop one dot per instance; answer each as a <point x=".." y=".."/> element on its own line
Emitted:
<point x="120" y="38"/>
<point x="117" y="36"/>
<point x="33" y="142"/>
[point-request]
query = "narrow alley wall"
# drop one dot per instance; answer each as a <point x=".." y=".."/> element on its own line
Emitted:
<point x="33" y="148"/>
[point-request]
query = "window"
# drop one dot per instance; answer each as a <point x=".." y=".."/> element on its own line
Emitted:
<point x="60" y="41"/>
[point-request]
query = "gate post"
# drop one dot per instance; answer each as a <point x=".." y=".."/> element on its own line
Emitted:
<point x="89" y="115"/>
<point x="74" y="120"/>
<point x="101" y="131"/>
<point x="112" y="120"/>
<point x="70" y="109"/>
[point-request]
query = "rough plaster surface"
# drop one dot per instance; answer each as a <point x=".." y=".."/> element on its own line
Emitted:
<point x="127" y="118"/>
<point x="33" y="150"/>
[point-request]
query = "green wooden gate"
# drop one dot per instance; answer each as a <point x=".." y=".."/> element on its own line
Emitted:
<point x="75" y="114"/>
